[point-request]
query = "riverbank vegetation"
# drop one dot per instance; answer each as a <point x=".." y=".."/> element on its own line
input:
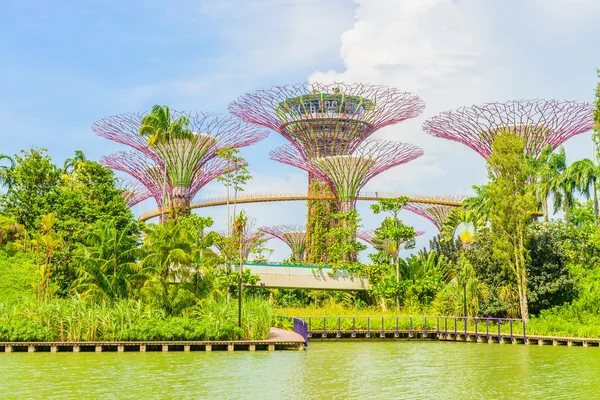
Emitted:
<point x="76" y="265"/>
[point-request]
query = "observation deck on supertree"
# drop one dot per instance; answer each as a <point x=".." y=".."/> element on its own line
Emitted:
<point x="133" y="191"/>
<point x="347" y="174"/>
<point x="540" y="122"/>
<point x="368" y="235"/>
<point x="188" y="163"/>
<point x="323" y="120"/>
<point x="437" y="213"/>
<point x="292" y="235"/>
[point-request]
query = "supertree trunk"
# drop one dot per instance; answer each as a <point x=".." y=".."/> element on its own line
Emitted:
<point x="320" y="218"/>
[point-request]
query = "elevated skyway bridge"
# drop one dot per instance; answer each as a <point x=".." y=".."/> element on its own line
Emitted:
<point x="443" y="200"/>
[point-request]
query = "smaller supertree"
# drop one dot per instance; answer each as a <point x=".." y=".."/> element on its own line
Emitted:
<point x="369" y="235"/>
<point x="151" y="175"/>
<point x="293" y="235"/>
<point x="143" y="169"/>
<point x="436" y="213"/>
<point x="348" y="174"/>
<point x="251" y="241"/>
<point x="133" y="192"/>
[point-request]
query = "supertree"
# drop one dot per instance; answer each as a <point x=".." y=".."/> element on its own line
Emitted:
<point x="540" y="122"/>
<point x="133" y="191"/>
<point x="293" y="235"/>
<point x="347" y="174"/>
<point x="368" y="235"/>
<point x="324" y="120"/>
<point x="158" y="185"/>
<point x="250" y="241"/>
<point x="321" y="120"/>
<point x="184" y="163"/>
<point x="436" y="213"/>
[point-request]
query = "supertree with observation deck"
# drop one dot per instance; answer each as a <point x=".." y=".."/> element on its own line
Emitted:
<point x="322" y="121"/>
<point x="174" y="170"/>
<point x="539" y="122"/>
<point x="292" y="235"/>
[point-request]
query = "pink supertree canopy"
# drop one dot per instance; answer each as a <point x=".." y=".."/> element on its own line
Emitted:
<point x="133" y="191"/>
<point x="323" y="120"/>
<point x="368" y="235"/>
<point x="178" y="168"/>
<point x="227" y="131"/>
<point x="436" y="213"/>
<point x="347" y="174"/>
<point x="143" y="169"/>
<point x="153" y="178"/>
<point x="540" y="122"/>
<point x="292" y="235"/>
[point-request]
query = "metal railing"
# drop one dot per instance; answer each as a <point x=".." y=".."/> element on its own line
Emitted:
<point x="449" y="200"/>
<point x="352" y="326"/>
<point x="301" y="328"/>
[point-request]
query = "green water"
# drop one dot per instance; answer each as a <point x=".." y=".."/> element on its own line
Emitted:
<point x="390" y="370"/>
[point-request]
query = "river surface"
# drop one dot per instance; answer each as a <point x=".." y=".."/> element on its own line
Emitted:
<point x="349" y="370"/>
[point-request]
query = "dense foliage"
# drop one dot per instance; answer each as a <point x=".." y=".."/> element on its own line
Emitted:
<point x="76" y="265"/>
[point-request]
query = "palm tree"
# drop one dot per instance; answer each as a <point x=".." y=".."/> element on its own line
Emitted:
<point x="548" y="170"/>
<point x="6" y="172"/>
<point x="586" y="175"/>
<point x="107" y="266"/>
<point x="159" y="128"/>
<point x="479" y="204"/>
<point x="168" y="253"/>
<point x="72" y="163"/>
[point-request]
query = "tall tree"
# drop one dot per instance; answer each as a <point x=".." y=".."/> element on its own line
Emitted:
<point x="235" y="176"/>
<point x="512" y="204"/>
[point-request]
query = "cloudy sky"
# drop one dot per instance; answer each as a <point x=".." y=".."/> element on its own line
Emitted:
<point x="66" y="64"/>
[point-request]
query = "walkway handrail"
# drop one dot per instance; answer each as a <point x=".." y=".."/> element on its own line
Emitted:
<point x="453" y="200"/>
<point x="301" y="328"/>
<point x="447" y="325"/>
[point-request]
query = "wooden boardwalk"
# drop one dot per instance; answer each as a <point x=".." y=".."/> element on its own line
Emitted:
<point x="470" y="336"/>
<point x="279" y="339"/>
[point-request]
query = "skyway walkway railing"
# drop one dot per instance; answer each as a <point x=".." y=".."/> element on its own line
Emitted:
<point x="452" y="200"/>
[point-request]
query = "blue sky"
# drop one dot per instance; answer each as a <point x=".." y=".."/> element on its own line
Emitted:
<point x="66" y="63"/>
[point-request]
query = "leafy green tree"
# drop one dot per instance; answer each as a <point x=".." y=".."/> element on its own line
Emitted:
<point x="342" y="246"/>
<point x="34" y="180"/>
<point x="204" y="259"/>
<point x="393" y="231"/>
<point x="108" y="266"/>
<point x="512" y="205"/>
